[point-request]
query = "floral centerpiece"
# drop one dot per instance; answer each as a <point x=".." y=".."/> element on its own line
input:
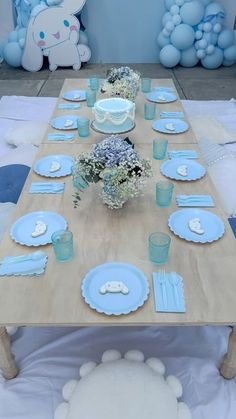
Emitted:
<point x="114" y="162"/>
<point x="123" y="82"/>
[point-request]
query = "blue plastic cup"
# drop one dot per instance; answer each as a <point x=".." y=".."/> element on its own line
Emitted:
<point x="83" y="127"/>
<point x="91" y="97"/>
<point x="149" y="111"/>
<point x="158" y="246"/>
<point x="159" y="149"/>
<point x="79" y="179"/>
<point x="94" y="83"/>
<point x="164" y="192"/>
<point x="62" y="242"/>
<point x="146" y="84"/>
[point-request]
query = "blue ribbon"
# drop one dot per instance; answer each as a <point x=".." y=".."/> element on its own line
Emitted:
<point x="213" y="18"/>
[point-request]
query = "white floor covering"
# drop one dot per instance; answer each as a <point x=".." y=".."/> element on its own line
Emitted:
<point x="48" y="357"/>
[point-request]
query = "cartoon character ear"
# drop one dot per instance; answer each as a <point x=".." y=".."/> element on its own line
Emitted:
<point x="72" y="6"/>
<point x="32" y="58"/>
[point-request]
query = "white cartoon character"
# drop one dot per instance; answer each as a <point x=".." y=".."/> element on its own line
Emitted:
<point x="114" y="287"/>
<point x="54" y="32"/>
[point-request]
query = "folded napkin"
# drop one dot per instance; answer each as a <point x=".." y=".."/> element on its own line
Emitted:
<point x="187" y="154"/>
<point x="46" y="187"/>
<point x="68" y="106"/>
<point x="177" y="114"/>
<point x="61" y="137"/>
<point x="30" y="264"/>
<point x="168" y="292"/>
<point x="164" y="89"/>
<point x="194" y="201"/>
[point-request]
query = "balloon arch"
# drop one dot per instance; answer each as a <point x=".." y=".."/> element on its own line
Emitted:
<point x="193" y="32"/>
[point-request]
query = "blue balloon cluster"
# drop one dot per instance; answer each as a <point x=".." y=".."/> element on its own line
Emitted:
<point x="193" y="31"/>
<point x="11" y="48"/>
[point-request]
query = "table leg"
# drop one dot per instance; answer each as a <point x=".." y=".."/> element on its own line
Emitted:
<point x="228" y="367"/>
<point x="7" y="361"/>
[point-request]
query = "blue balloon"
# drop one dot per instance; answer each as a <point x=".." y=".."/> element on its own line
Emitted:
<point x="83" y="39"/>
<point x="192" y="12"/>
<point x="226" y="38"/>
<point x="163" y="40"/>
<point x="182" y="36"/>
<point x="12" y="37"/>
<point x="167" y="16"/>
<point x="189" y="57"/>
<point x="230" y="53"/>
<point x="227" y="63"/>
<point x="169" y="3"/>
<point x="169" y="56"/>
<point x="202" y="43"/>
<point x="198" y="35"/>
<point x="205" y="2"/>
<point x="12" y="54"/>
<point x="176" y="19"/>
<point x="21" y="33"/>
<point x="214" y="60"/>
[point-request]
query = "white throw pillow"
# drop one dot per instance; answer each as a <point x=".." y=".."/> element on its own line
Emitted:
<point x="128" y="388"/>
<point x="24" y="154"/>
<point x="25" y="132"/>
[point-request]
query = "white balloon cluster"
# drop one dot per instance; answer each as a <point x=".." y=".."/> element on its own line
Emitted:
<point x="11" y="48"/>
<point x="194" y="30"/>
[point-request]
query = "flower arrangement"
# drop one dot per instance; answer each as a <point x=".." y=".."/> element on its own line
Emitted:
<point x="123" y="82"/>
<point x="114" y="162"/>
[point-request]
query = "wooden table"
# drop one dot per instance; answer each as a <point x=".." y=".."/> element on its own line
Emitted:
<point x="102" y="235"/>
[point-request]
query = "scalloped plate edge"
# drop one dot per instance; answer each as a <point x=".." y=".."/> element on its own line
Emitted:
<point x="196" y="241"/>
<point x="34" y="245"/>
<point x="108" y="313"/>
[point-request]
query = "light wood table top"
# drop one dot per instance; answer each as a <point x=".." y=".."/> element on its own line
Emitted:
<point x="102" y="235"/>
<point x="143" y="132"/>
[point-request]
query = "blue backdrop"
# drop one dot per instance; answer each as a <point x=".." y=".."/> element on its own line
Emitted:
<point x="122" y="31"/>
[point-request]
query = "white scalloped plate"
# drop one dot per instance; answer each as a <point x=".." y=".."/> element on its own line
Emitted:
<point x="23" y="227"/>
<point x="212" y="225"/>
<point x="115" y="303"/>
<point x="195" y="169"/>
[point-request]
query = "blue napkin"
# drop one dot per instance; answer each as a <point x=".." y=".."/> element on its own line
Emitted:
<point x="232" y="222"/>
<point x="69" y="106"/>
<point x="194" y="201"/>
<point x="60" y="137"/>
<point x="23" y="267"/>
<point x="168" y="292"/>
<point x="46" y="187"/>
<point x="177" y="114"/>
<point x="187" y="154"/>
<point x="164" y="89"/>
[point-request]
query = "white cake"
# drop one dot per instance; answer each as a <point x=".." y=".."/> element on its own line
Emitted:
<point x="114" y="115"/>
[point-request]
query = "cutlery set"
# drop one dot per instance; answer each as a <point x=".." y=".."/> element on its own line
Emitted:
<point x="194" y="201"/>
<point x="168" y="292"/>
<point x="61" y="137"/>
<point x="47" y="187"/>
